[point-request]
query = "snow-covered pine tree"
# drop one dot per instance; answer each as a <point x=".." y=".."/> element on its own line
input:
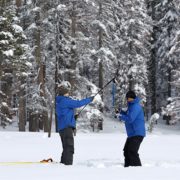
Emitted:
<point x="33" y="21"/>
<point x="164" y="62"/>
<point x="49" y="44"/>
<point x="13" y="54"/>
<point x="132" y="35"/>
<point x="171" y="58"/>
<point x="102" y="58"/>
<point x="72" y="36"/>
<point x="40" y="31"/>
<point x="173" y="108"/>
<point x="175" y="50"/>
<point x="167" y="24"/>
<point x="152" y="64"/>
<point x="118" y="42"/>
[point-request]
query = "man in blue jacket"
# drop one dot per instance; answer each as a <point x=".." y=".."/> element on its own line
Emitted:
<point x="66" y="122"/>
<point x="135" y="128"/>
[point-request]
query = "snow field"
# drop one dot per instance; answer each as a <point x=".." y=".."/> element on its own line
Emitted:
<point x="97" y="156"/>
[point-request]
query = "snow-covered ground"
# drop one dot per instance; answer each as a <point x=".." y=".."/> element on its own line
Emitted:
<point x="97" y="156"/>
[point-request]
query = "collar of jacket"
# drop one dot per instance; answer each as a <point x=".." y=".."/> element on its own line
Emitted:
<point x="136" y="100"/>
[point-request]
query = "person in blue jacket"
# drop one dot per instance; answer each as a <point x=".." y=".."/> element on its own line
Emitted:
<point x="66" y="123"/>
<point x="135" y="128"/>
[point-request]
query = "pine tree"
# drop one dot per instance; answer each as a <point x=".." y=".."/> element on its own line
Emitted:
<point x="152" y="64"/>
<point x="73" y="33"/>
<point x="166" y="20"/>
<point x="171" y="22"/>
<point x="164" y="61"/>
<point x="13" y="54"/>
<point x="35" y="24"/>
<point x="132" y="37"/>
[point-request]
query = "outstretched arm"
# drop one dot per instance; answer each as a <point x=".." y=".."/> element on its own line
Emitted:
<point x="78" y="103"/>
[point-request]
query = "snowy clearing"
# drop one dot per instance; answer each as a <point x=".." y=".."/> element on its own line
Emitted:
<point x="97" y="156"/>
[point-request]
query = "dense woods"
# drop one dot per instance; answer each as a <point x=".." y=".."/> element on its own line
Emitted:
<point x="44" y="43"/>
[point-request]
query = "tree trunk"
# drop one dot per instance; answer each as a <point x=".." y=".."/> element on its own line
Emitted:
<point x="168" y="119"/>
<point x="2" y="3"/>
<point x="1" y="68"/>
<point x="74" y="58"/>
<point x="130" y="78"/>
<point x="43" y="116"/>
<point x="152" y="77"/>
<point x="33" y="122"/>
<point x="22" y="114"/>
<point x="169" y="82"/>
<point x="18" y="3"/>
<point x="22" y="108"/>
<point x="56" y="88"/>
<point x="5" y="3"/>
<point x="100" y="34"/>
<point x="73" y="21"/>
<point x="50" y="121"/>
<point x="152" y="64"/>
<point x="100" y="30"/>
<point x="101" y="76"/>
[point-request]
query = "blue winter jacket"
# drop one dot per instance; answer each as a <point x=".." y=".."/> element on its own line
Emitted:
<point x="65" y="111"/>
<point x="134" y="119"/>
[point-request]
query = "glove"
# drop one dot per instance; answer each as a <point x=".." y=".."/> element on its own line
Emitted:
<point x="76" y="117"/>
<point x="114" y="80"/>
<point x="122" y="112"/>
<point x="92" y="98"/>
<point x="116" y="115"/>
<point x="120" y="117"/>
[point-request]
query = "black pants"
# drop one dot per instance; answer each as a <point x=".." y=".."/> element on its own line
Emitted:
<point x="131" y="148"/>
<point x="67" y="139"/>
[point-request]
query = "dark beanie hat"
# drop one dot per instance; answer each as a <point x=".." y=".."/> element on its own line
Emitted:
<point x="62" y="90"/>
<point x="131" y="94"/>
